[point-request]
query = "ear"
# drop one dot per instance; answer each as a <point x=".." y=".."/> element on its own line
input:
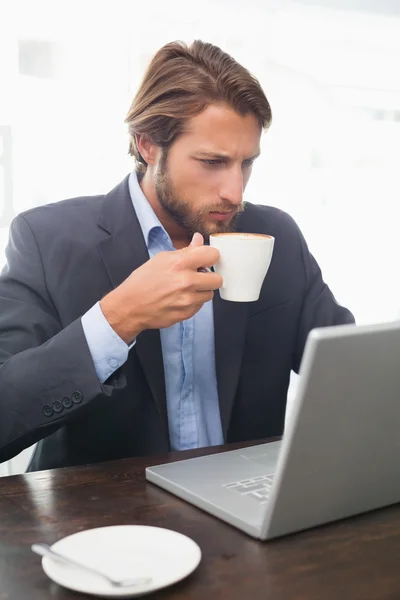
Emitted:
<point x="147" y="148"/>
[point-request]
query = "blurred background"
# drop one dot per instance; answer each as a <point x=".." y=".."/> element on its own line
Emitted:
<point x="330" y="69"/>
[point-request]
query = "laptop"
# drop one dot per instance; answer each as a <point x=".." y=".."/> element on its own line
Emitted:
<point x="340" y="452"/>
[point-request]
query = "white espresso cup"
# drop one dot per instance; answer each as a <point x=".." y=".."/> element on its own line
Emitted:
<point x="243" y="264"/>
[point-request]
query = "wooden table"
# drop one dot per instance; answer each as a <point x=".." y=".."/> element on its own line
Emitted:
<point x="357" y="559"/>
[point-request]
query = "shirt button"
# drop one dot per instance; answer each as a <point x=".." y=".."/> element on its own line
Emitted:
<point x="47" y="410"/>
<point x="76" y="397"/>
<point x="113" y="363"/>
<point x="57" y="406"/>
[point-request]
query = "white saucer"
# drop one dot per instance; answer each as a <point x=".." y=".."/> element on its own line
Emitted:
<point x="123" y="551"/>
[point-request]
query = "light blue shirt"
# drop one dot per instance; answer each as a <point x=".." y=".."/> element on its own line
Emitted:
<point x="188" y="351"/>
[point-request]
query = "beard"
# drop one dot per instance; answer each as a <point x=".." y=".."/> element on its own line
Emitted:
<point x="181" y="211"/>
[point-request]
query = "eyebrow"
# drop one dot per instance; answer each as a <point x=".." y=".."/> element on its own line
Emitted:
<point x="219" y="156"/>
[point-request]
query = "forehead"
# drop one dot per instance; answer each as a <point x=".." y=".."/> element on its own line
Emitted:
<point x="221" y="129"/>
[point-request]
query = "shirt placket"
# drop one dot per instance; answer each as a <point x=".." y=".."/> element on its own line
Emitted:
<point x="188" y="417"/>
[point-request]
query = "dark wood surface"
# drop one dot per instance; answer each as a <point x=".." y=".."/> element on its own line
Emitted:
<point x="355" y="559"/>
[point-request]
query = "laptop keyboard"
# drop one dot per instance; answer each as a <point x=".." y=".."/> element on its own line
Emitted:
<point x="258" y="488"/>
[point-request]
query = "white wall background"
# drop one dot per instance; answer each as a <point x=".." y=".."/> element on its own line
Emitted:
<point x="69" y="69"/>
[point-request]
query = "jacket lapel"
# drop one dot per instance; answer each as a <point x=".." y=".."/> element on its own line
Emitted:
<point x="124" y="250"/>
<point x="230" y="320"/>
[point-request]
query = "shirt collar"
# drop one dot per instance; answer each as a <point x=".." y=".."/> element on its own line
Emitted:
<point x="148" y="220"/>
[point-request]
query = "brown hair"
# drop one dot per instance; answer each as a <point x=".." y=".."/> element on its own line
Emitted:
<point x="180" y="82"/>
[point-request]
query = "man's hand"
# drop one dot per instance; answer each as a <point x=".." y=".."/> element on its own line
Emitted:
<point x="165" y="290"/>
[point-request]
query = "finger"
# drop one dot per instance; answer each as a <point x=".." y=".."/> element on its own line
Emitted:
<point x="200" y="256"/>
<point x="207" y="281"/>
<point x="202" y="297"/>
<point x="197" y="240"/>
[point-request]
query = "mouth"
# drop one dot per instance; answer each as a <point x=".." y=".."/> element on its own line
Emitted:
<point x="222" y="216"/>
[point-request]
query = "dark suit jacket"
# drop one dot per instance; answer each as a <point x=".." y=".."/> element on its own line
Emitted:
<point x="63" y="258"/>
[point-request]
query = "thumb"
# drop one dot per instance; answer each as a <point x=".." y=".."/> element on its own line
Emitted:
<point x="197" y="240"/>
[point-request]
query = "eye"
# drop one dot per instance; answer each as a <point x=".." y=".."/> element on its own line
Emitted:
<point x="248" y="162"/>
<point x="212" y="161"/>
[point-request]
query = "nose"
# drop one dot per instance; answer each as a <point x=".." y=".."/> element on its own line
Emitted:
<point x="232" y="186"/>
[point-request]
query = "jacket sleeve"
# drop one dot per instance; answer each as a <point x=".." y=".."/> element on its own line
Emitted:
<point x="319" y="307"/>
<point x="47" y="375"/>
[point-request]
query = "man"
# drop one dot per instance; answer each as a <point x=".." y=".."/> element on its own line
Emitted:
<point x="114" y="341"/>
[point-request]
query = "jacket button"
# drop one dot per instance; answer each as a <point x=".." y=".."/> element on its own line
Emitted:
<point x="67" y="402"/>
<point x="47" y="410"/>
<point x="57" y="406"/>
<point x="76" y="397"/>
